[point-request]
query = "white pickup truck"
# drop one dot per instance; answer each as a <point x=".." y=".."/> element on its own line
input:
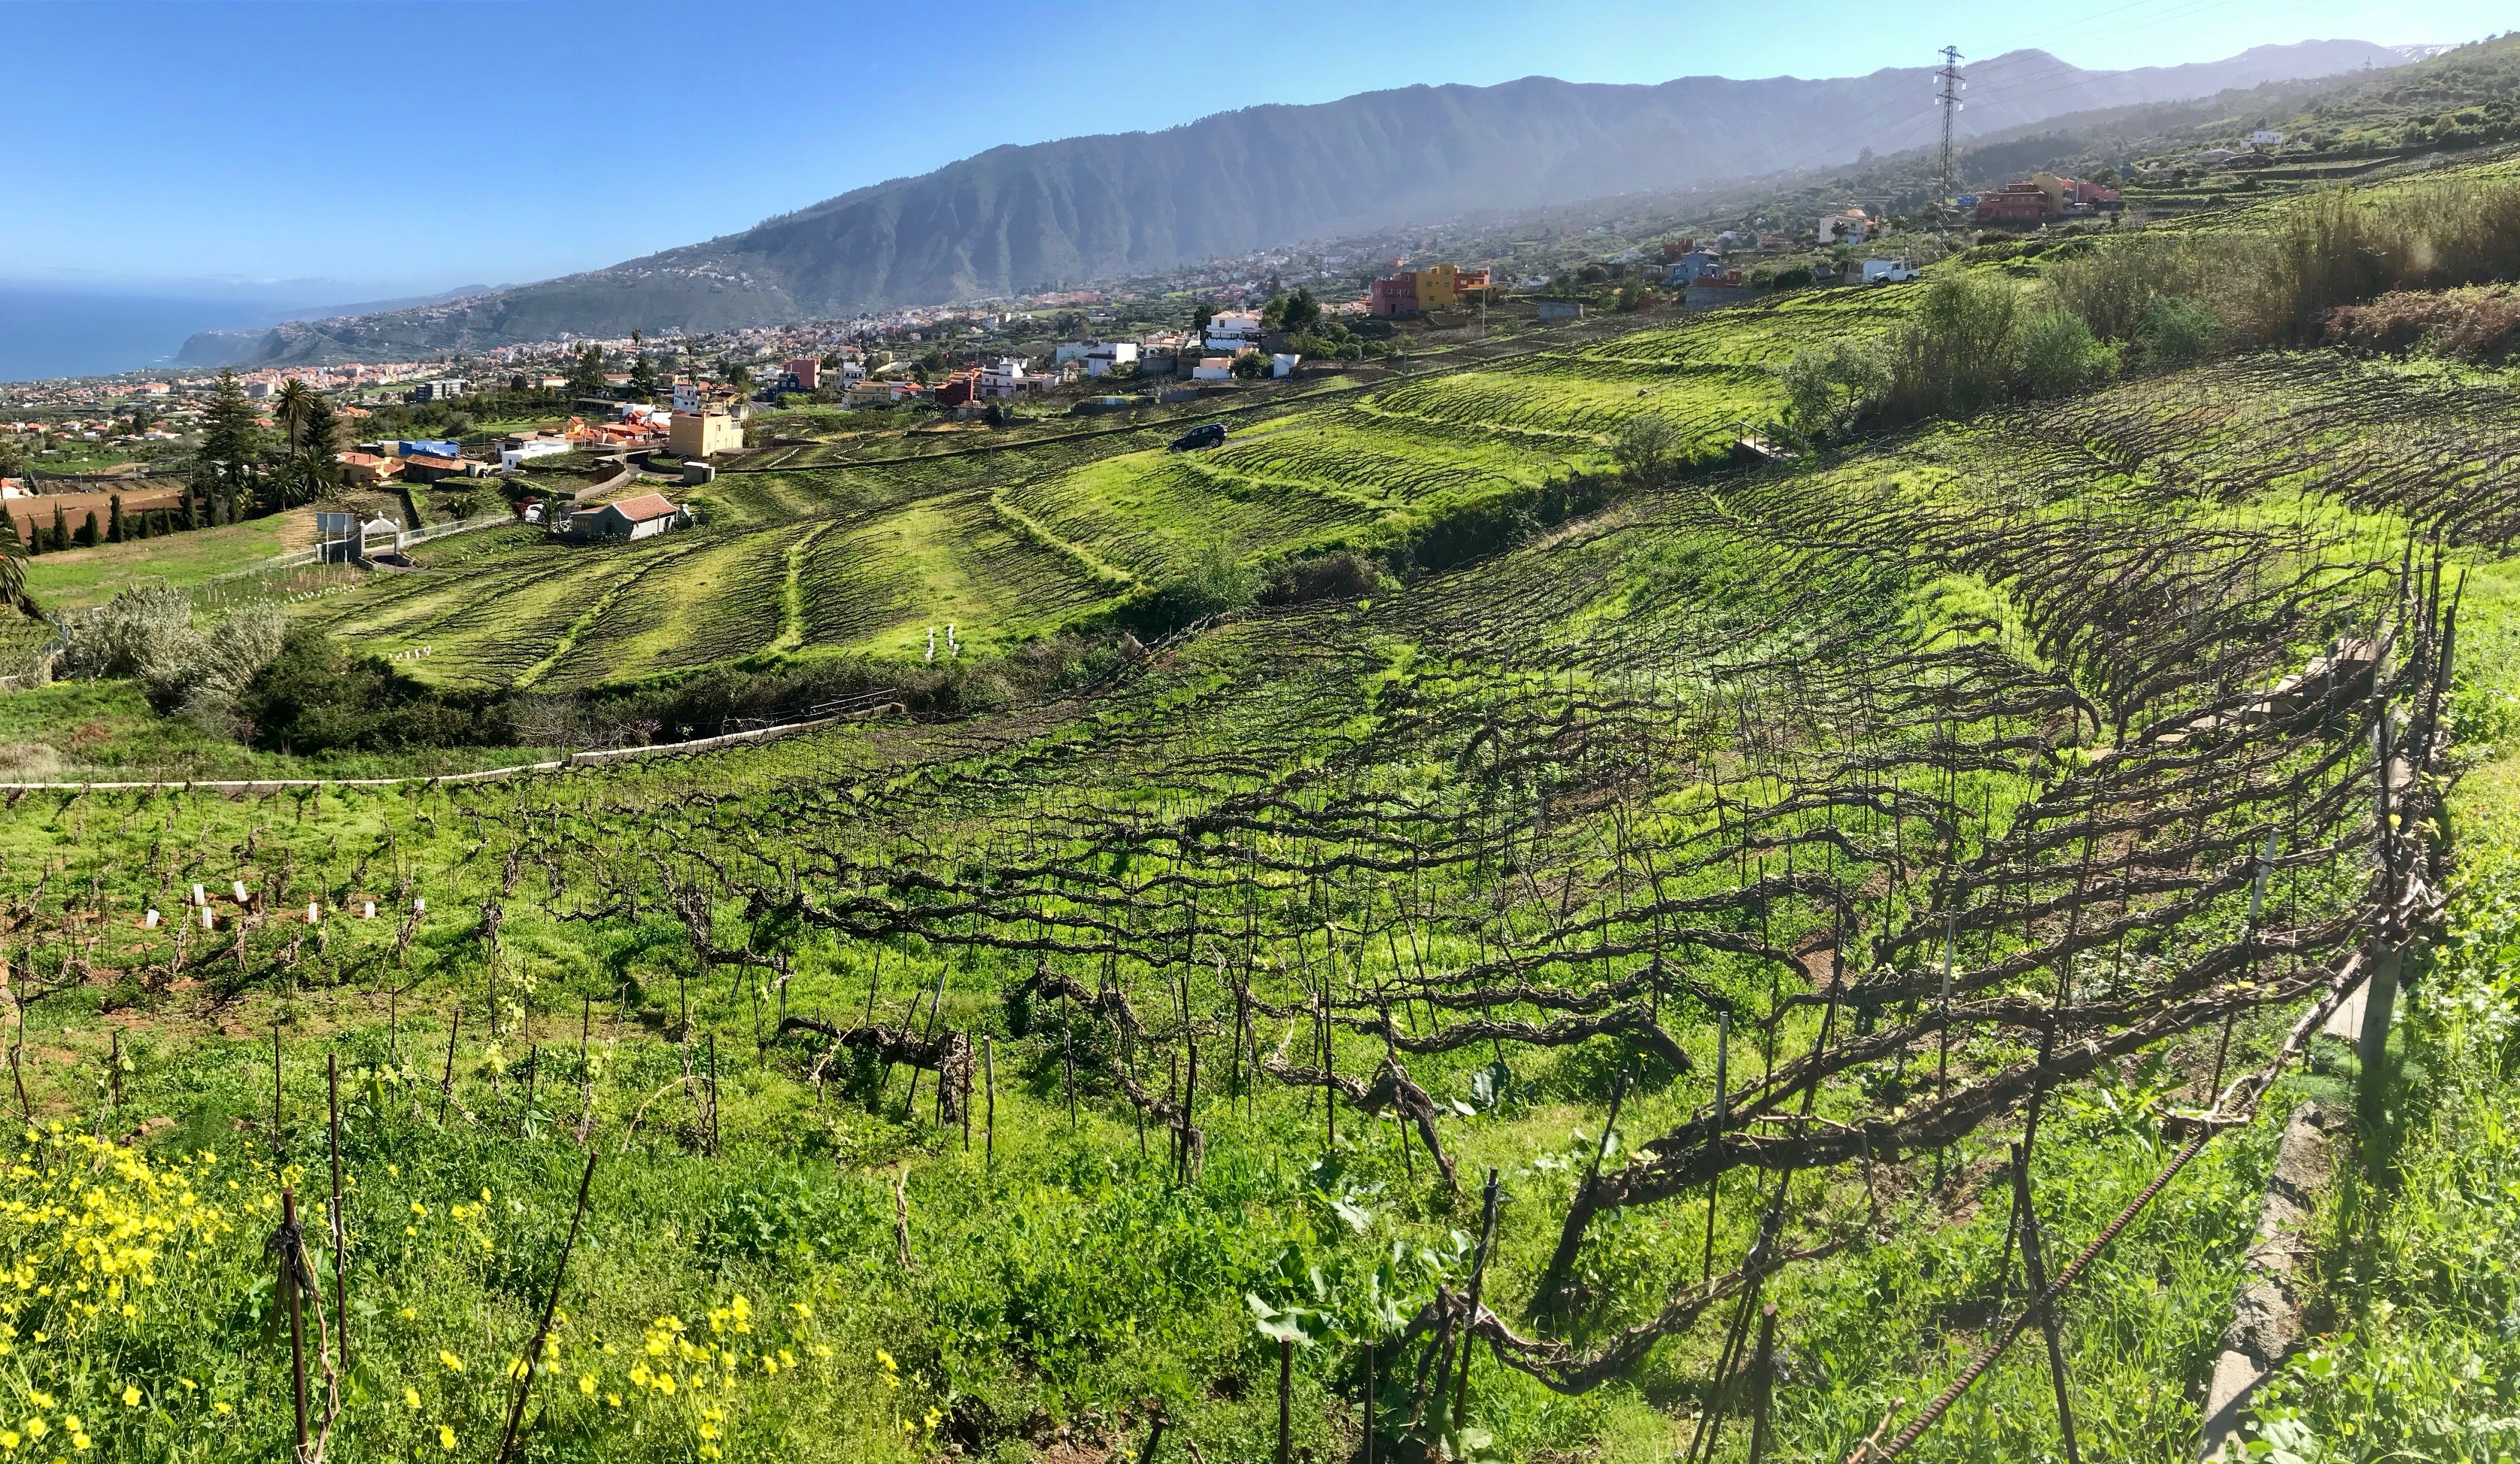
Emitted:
<point x="1889" y="271"/>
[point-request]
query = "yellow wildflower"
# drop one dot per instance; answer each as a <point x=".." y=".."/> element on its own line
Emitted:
<point x="586" y="1384"/>
<point x="130" y="1395"/>
<point x="411" y="1398"/>
<point x="446" y="1438"/>
<point x="9" y="1440"/>
<point x="453" y="1362"/>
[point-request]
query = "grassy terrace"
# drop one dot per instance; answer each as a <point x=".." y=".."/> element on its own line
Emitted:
<point x="803" y="553"/>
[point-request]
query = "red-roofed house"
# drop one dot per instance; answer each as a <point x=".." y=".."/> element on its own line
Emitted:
<point x="637" y="518"/>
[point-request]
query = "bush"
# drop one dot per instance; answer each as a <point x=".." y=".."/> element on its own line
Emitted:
<point x="1830" y="386"/>
<point x="1645" y="446"/>
<point x="1327" y="577"/>
<point x="148" y="635"/>
<point x="2112" y="286"/>
<point x="2176" y="330"/>
<point x="313" y="699"/>
<point x="2478" y="323"/>
<point x="2059" y="355"/>
<point x="1958" y="357"/>
<point x="1214" y="583"/>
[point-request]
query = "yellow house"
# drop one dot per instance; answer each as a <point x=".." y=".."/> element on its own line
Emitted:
<point x="704" y="434"/>
<point x="1439" y="286"/>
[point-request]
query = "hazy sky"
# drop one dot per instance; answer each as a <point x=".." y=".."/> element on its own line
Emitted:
<point x="419" y="146"/>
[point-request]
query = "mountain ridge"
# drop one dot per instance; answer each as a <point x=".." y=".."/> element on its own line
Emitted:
<point x="1017" y="219"/>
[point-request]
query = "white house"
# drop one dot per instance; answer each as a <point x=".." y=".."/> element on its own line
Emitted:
<point x="2266" y="137"/>
<point x="1213" y="369"/>
<point x="1107" y="357"/>
<point x="1847" y="226"/>
<point x="1072" y="351"/>
<point x="516" y="451"/>
<point x="1008" y="375"/>
<point x="1283" y="363"/>
<point x="1233" y="329"/>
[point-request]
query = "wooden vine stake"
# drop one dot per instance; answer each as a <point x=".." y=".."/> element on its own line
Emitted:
<point x="534" y="1359"/>
<point x="2035" y="1262"/>
<point x="1763" y="1378"/>
<point x="340" y="1221"/>
<point x="289" y="1266"/>
<point x="1286" y="1400"/>
<point x="447" y="1082"/>
<point x="1470" y="1309"/>
<point x="989" y="1072"/>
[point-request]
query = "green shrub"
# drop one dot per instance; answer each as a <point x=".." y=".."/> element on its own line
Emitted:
<point x="311" y="697"/>
<point x="2176" y="330"/>
<point x="148" y="635"/>
<point x="2060" y="356"/>
<point x="1829" y="386"/>
<point x="1958" y="355"/>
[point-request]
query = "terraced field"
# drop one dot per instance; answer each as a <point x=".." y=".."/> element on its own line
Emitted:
<point x="855" y="546"/>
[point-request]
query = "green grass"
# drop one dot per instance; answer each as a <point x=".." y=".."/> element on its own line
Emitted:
<point x="78" y="579"/>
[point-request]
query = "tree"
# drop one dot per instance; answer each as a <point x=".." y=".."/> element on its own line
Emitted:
<point x="88" y="534"/>
<point x="113" y="520"/>
<point x="60" y="538"/>
<point x="642" y="378"/>
<point x="1830" y="385"/>
<point x="1250" y="366"/>
<point x="313" y="469"/>
<point x="1294" y="313"/>
<point x="586" y="371"/>
<point x="738" y="378"/>
<point x="231" y="444"/>
<point x="13" y="565"/>
<point x="1199" y="315"/>
<point x="291" y="407"/>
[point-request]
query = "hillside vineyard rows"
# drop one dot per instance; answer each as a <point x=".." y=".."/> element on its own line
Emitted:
<point x="1447" y="1018"/>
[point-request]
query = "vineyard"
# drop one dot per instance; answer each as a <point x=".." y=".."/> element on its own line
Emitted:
<point x="1695" y="954"/>
<point x="856" y="549"/>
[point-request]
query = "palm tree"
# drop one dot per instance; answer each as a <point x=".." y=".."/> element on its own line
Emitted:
<point x="292" y="404"/>
<point x="13" y="565"/>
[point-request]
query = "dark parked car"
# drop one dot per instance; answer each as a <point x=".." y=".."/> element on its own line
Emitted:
<point x="1205" y="435"/>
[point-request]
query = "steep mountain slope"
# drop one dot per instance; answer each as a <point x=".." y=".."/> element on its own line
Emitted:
<point x="1018" y="219"/>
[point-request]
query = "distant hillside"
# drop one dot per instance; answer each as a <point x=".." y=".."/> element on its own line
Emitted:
<point x="1015" y="219"/>
<point x="241" y="347"/>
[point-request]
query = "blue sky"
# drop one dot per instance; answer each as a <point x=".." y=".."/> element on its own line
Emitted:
<point x="385" y="148"/>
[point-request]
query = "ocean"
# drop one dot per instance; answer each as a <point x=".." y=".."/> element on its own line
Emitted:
<point x="47" y="332"/>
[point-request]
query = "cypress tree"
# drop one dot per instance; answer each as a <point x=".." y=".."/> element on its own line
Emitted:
<point x="191" y="516"/>
<point x="61" y="527"/>
<point x="88" y="533"/>
<point x="113" y="520"/>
